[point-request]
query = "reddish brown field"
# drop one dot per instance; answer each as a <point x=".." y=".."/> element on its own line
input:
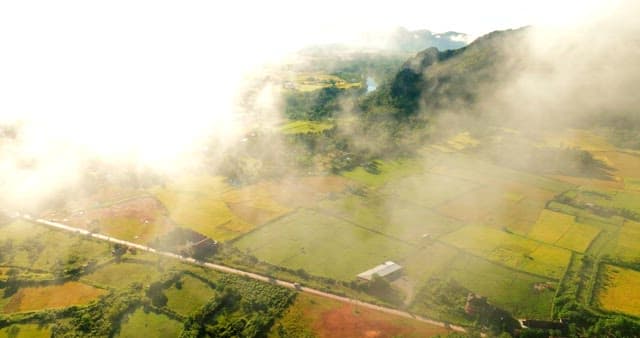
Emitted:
<point x="52" y="297"/>
<point x="350" y="321"/>
<point x="331" y="318"/>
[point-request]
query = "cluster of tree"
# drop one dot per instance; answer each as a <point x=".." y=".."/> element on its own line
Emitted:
<point x="243" y="308"/>
<point x="99" y="319"/>
<point x="186" y="242"/>
<point x="318" y="104"/>
<point x="578" y="200"/>
<point x="522" y="155"/>
<point x="451" y="298"/>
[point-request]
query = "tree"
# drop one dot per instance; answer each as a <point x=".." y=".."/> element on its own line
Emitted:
<point x="158" y="298"/>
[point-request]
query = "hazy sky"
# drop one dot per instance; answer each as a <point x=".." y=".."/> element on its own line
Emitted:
<point x="122" y="75"/>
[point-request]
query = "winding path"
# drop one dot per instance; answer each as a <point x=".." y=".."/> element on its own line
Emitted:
<point x="227" y="269"/>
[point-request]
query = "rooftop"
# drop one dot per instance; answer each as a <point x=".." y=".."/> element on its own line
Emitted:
<point x="381" y="270"/>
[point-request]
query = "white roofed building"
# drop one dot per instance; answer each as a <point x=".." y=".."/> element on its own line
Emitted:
<point x="386" y="270"/>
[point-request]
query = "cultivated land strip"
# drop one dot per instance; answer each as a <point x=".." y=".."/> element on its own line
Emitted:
<point x="226" y="269"/>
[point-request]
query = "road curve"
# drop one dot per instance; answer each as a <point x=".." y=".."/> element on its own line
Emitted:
<point x="222" y="268"/>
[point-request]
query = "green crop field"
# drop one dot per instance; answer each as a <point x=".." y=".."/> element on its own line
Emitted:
<point x="406" y="221"/>
<point x="521" y="294"/>
<point x="428" y="189"/>
<point x="428" y="261"/>
<point x="321" y="244"/>
<point x="123" y="275"/>
<point x="386" y="171"/>
<point x="152" y="324"/>
<point x="34" y="251"/>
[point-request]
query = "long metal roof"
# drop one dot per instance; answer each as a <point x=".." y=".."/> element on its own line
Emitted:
<point x="381" y="270"/>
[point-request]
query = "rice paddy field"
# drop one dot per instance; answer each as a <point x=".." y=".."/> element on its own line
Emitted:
<point x="309" y="240"/>
<point x="619" y="290"/>
<point x="509" y="235"/>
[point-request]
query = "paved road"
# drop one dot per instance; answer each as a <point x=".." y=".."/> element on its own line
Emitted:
<point x="227" y="269"/>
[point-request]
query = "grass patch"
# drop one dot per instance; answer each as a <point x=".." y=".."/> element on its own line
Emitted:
<point x="188" y="295"/>
<point x="306" y="127"/>
<point x="25" y="331"/>
<point x="52" y="297"/>
<point x="122" y="275"/>
<point x="618" y="290"/>
<point x="150" y="324"/>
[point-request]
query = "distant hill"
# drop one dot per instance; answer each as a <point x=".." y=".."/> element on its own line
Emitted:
<point x="399" y="40"/>
<point x="450" y="79"/>
<point x="404" y="40"/>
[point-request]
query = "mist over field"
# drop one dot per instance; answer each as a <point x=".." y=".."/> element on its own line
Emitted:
<point x="102" y="85"/>
<point x="474" y="172"/>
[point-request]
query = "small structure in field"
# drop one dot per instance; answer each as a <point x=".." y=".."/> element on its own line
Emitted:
<point x="476" y="304"/>
<point x="543" y="324"/>
<point x="387" y="270"/>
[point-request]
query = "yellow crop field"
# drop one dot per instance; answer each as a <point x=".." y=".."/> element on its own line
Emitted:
<point x="511" y="250"/>
<point x="197" y="203"/>
<point x="578" y="237"/>
<point x="625" y="164"/>
<point x="577" y="138"/>
<point x="550" y="226"/>
<point x="620" y="292"/>
<point x="562" y="230"/>
<point x="632" y="184"/>
<point x="52" y="297"/>
<point x="547" y="261"/>
<point x="254" y="204"/>
<point x="628" y="243"/>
